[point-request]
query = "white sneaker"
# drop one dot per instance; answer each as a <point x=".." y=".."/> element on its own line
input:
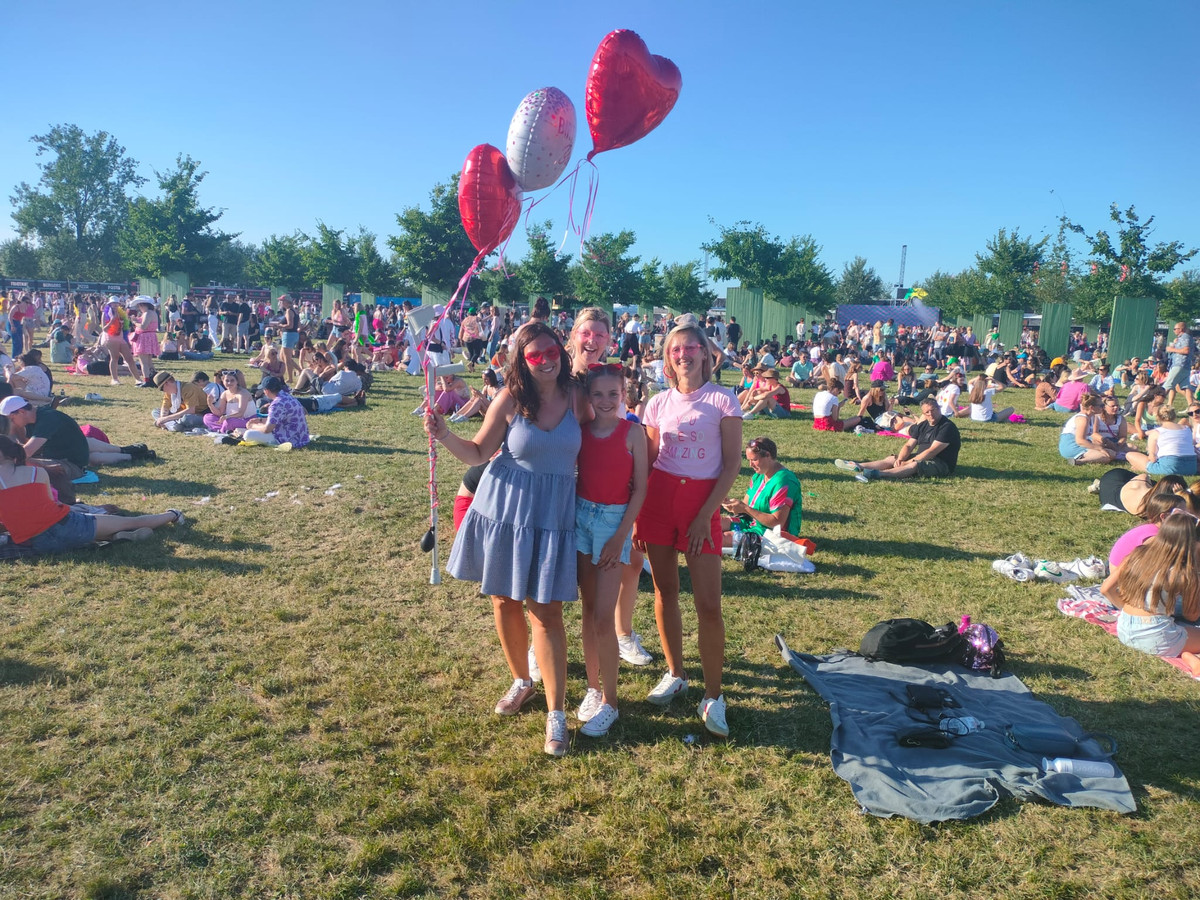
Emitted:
<point x="1091" y="569"/>
<point x="598" y="725"/>
<point x="1094" y="487"/>
<point x="712" y="713"/>
<point x="592" y="701"/>
<point x="556" y="733"/>
<point x="1008" y="570"/>
<point x="535" y="674"/>
<point x="1048" y="570"/>
<point x="632" y="651"/>
<point x="667" y="690"/>
<point x="847" y="465"/>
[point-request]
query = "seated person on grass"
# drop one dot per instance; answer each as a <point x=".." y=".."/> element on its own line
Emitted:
<point x="930" y="451"/>
<point x="183" y="405"/>
<point x="1080" y="442"/>
<point x="827" y="409"/>
<point x="286" y="423"/>
<point x="802" y="370"/>
<point x="770" y="396"/>
<point x="773" y="498"/>
<point x="51" y="437"/>
<point x="480" y="400"/>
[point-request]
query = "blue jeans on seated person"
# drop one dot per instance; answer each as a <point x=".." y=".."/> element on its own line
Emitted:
<point x="1066" y="409"/>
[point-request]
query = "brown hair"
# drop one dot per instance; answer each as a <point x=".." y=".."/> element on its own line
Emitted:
<point x="12" y="450"/>
<point x="519" y="378"/>
<point x="1157" y="504"/>
<point x="1164" y="567"/>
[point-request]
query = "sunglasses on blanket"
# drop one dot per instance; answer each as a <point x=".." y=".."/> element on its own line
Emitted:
<point x="550" y="354"/>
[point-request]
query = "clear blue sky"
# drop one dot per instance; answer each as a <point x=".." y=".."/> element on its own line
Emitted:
<point x="868" y="125"/>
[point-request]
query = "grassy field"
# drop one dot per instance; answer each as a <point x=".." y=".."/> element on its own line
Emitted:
<point x="272" y="701"/>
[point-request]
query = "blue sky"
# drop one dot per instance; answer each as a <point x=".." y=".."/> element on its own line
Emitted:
<point x="868" y="125"/>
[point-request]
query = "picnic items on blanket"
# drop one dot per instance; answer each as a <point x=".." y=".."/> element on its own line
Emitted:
<point x="1020" y="567"/>
<point x="773" y="550"/>
<point x="1092" y="606"/>
<point x="963" y="765"/>
<point x="911" y="641"/>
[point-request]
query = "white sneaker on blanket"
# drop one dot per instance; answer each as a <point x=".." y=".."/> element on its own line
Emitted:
<point x="1017" y="573"/>
<point x="1091" y="569"/>
<point x="1048" y="570"/>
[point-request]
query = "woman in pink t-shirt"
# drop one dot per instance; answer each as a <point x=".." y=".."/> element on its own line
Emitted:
<point x="694" y="430"/>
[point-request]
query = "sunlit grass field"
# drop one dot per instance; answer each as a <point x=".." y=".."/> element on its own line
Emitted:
<point x="273" y="701"/>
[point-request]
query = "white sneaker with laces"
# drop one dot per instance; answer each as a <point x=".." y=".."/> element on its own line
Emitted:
<point x="667" y="689"/>
<point x="598" y="725"/>
<point x="1048" y="570"/>
<point x="632" y="651"/>
<point x="514" y="698"/>
<point x="592" y="701"/>
<point x="1009" y="570"/>
<point x="1092" y="569"/>
<point x="535" y="674"/>
<point x="712" y="713"/>
<point x="556" y="733"/>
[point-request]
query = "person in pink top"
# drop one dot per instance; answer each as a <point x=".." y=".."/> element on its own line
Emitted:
<point x="1069" y="396"/>
<point x="694" y="431"/>
<point x="883" y="370"/>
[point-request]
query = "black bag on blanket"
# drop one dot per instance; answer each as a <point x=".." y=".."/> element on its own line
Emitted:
<point x="911" y="641"/>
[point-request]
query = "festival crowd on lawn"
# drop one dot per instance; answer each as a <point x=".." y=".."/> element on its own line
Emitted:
<point x="584" y="470"/>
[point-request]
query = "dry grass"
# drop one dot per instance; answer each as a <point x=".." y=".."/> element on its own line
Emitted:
<point x="273" y="702"/>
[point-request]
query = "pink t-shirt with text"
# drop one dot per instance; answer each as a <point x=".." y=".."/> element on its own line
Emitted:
<point x="689" y="429"/>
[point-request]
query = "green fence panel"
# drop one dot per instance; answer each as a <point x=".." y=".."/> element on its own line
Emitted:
<point x="277" y="291"/>
<point x="330" y="293"/>
<point x="746" y="305"/>
<point x="177" y="283"/>
<point x="1011" y="322"/>
<point x="367" y="298"/>
<point x="431" y="296"/>
<point x="1091" y="331"/>
<point x="981" y="324"/>
<point x="1132" y="331"/>
<point x="1055" y="334"/>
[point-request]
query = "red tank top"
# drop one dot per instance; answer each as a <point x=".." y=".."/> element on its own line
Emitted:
<point x="605" y="466"/>
<point x="27" y="510"/>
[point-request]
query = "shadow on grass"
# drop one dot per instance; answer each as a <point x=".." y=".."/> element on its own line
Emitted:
<point x="176" y="487"/>
<point x="905" y="549"/>
<point x="17" y="671"/>
<point x="361" y="445"/>
<point x="151" y="557"/>
<point x="813" y="516"/>
<point x="988" y="474"/>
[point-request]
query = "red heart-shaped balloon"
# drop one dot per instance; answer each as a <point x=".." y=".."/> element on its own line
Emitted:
<point x="629" y="91"/>
<point x="489" y="200"/>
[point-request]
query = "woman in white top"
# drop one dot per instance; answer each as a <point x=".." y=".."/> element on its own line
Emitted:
<point x="982" y="391"/>
<point x="1080" y="443"/>
<point x="1169" y="449"/>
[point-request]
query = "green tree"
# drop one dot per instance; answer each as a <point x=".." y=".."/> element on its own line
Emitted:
<point x="174" y="232"/>
<point x="1128" y="266"/>
<point x="746" y="253"/>
<point x="78" y="207"/>
<point x="280" y="261"/>
<point x="373" y="273"/>
<point x="1011" y="264"/>
<point x="859" y="283"/>
<point x="652" y="290"/>
<point x="502" y="288"/>
<point x="19" y="259"/>
<point x="231" y="263"/>
<point x="683" y="289"/>
<point x="543" y="271"/>
<point x="801" y="277"/>
<point x="328" y="258"/>
<point x="432" y="248"/>
<point x="607" y="273"/>
<point x="964" y="294"/>
<point x="1181" y="298"/>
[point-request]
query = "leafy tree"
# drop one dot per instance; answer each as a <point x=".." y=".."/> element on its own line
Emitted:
<point x="651" y="289"/>
<point x="328" y="258"/>
<point x="1181" y="299"/>
<point x="606" y="273"/>
<point x="372" y="273"/>
<point x="801" y="277"/>
<point x="684" y="290"/>
<point x="859" y="283"/>
<point x="746" y="254"/>
<point x="964" y="294"/>
<point x="79" y="205"/>
<point x="1056" y="280"/>
<point x="231" y="263"/>
<point x="432" y="248"/>
<point x="19" y="259"/>
<point x="280" y="261"/>
<point x="174" y="232"/>
<point x="1128" y="266"/>
<point x="1011" y="264"/>
<point x="543" y="271"/>
<point x="502" y="288"/>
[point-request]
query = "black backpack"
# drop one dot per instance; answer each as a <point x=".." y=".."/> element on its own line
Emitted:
<point x="911" y="641"/>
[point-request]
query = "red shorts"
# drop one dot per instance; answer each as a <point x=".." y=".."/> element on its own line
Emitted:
<point x="461" y="505"/>
<point x="828" y="423"/>
<point x="671" y="507"/>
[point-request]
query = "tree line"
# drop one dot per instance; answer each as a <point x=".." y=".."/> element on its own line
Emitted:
<point x="83" y="221"/>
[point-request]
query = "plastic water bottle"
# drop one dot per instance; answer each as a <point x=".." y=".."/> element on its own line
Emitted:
<point x="738" y="536"/>
<point x="1083" y="768"/>
<point x="964" y="624"/>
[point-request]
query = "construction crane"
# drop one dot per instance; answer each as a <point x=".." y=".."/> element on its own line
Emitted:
<point x="900" y="283"/>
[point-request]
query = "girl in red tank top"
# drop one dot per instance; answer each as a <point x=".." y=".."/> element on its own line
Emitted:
<point x="610" y="489"/>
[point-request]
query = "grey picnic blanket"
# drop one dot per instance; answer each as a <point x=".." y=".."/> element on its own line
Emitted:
<point x="868" y="703"/>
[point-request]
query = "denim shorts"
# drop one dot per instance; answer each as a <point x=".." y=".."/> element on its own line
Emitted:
<point x="1069" y="448"/>
<point x="595" y="523"/>
<point x="1178" y="377"/>
<point x="289" y="340"/>
<point x="76" y="530"/>
<point x="1172" y="465"/>
<point x="1156" y="635"/>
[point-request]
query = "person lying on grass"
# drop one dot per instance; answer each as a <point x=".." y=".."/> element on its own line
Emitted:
<point x="36" y="520"/>
<point x="930" y="451"/>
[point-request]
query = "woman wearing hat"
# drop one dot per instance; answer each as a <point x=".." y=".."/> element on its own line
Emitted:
<point x="470" y="335"/>
<point x="144" y="339"/>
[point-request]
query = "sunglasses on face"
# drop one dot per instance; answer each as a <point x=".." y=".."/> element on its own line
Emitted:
<point x="605" y="368"/>
<point x="535" y="358"/>
<point x="680" y="349"/>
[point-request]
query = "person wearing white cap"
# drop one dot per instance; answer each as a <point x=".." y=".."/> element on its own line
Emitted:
<point x="53" y="437"/>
